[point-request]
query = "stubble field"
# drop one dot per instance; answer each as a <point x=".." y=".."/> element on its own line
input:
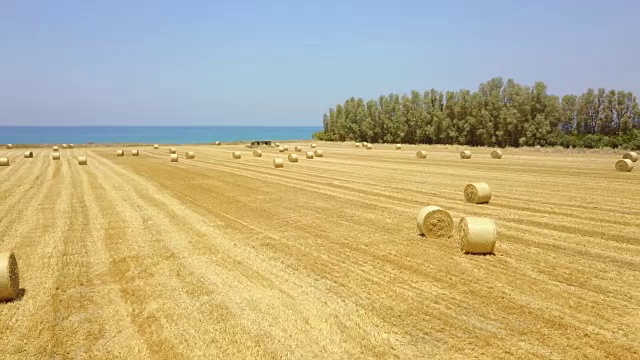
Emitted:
<point x="136" y="257"/>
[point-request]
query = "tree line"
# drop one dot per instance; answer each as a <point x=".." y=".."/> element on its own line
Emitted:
<point x="498" y="114"/>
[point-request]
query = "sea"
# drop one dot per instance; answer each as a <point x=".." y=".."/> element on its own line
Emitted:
<point x="150" y="134"/>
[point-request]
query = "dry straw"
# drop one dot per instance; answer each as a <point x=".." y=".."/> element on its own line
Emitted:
<point x="71" y="146"/>
<point x="190" y="155"/>
<point x="82" y="160"/>
<point x="120" y="153"/>
<point x="56" y="156"/>
<point x="28" y="155"/>
<point x="257" y="153"/>
<point x="297" y="149"/>
<point x="313" y="145"/>
<point x="434" y="222"/>
<point x="633" y="156"/>
<point x="465" y="154"/>
<point x="4" y="161"/>
<point x="9" y="277"/>
<point x="624" y="165"/>
<point x="358" y="144"/>
<point x="292" y="158"/>
<point x="156" y="146"/>
<point x="135" y="153"/>
<point x="173" y="157"/>
<point x="309" y="154"/>
<point x="477" y="235"/>
<point x="64" y="146"/>
<point x="236" y="154"/>
<point x="281" y="149"/>
<point x="9" y="146"/>
<point x="318" y="153"/>
<point x="278" y="163"/>
<point x="477" y="193"/>
<point x="496" y="154"/>
<point x="173" y="151"/>
<point x="421" y="154"/>
<point x="398" y="146"/>
<point x="369" y="146"/>
<point x="56" y="148"/>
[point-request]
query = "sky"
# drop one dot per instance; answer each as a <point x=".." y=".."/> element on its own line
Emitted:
<point x="287" y="62"/>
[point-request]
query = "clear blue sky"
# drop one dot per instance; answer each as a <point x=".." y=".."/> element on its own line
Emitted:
<point x="286" y="62"/>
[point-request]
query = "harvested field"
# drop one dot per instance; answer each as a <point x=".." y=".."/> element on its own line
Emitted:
<point x="228" y="258"/>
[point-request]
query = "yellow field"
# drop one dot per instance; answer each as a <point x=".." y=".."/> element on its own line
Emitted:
<point x="215" y="258"/>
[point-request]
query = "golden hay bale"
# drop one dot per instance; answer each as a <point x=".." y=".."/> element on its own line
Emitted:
<point x="156" y="146"/>
<point x="218" y="143"/>
<point x="465" y="154"/>
<point x="9" y="276"/>
<point x="369" y="146"/>
<point x="309" y="154"/>
<point x="624" y="165"/>
<point x="496" y="154"/>
<point x="633" y="156"/>
<point x="281" y="149"/>
<point x="257" y="153"/>
<point x="421" y="154"/>
<point x="286" y="148"/>
<point x="477" y="235"/>
<point x="64" y="146"/>
<point x="190" y="155"/>
<point x="293" y="158"/>
<point x="477" y="193"/>
<point x="434" y="222"/>
<point x="313" y="145"/>
<point x="9" y="146"/>
<point x="364" y="144"/>
<point x="82" y="160"/>
<point x="318" y="153"/>
<point x="4" y="161"/>
<point x="398" y="146"/>
<point x="236" y="154"/>
<point x="135" y="153"/>
<point x="70" y="146"/>
<point x="358" y="144"/>
<point x="173" y="157"/>
<point x="56" y="148"/>
<point x="297" y="149"/>
<point x="56" y="156"/>
<point x="278" y="163"/>
<point x="173" y="150"/>
<point x="277" y="144"/>
<point x="28" y="155"/>
<point x="119" y="152"/>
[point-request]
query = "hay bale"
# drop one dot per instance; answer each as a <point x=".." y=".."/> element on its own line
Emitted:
<point x="4" y="161"/>
<point x="82" y="160"/>
<point x="28" y="155"/>
<point x="278" y="163"/>
<point x="496" y="154"/>
<point x="257" y="153"/>
<point x="297" y="149"/>
<point x="71" y="146"/>
<point x="398" y="146"/>
<point x="421" y="154"/>
<point x="625" y="165"/>
<point x="173" y="150"/>
<point x="9" y="146"/>
<point x="358" y="144"/>
<point x="173" y="157"/>
<point x="313" y="145"/>
<point x="477" y="235"/>
<point x="364" y="144"/>
<point x="9" y="276"/>
<point x="156" y="146"/>
<point x="236" y="155"/>
<point x="218" y="143"/>
<point x="434" y="222"/>
<point x="56" y="156"/>
<point x="56" y="148"/>
<point x="477" y="193"/>
<point x="135" y="153"/>
<point x="369" y="146"/>
<point x="309" y="154"/>
<point x="190" y="155"/>
<point x="318" y="153"/>
<point x="293" y="158"/>
<point x="119" y="152"/>
<point x="465" y="154"/>
<point x="633" y="156"/>
<point x="281" y="149"/>
<point x="277" y="144"/>
<point x="64" y="146"/>
<point x="286" y="148"/>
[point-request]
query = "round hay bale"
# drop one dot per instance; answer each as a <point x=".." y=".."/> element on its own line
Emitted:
<point x="477" y="235"/>
<point x="293" y="158"/>
<point x="257" y="153"/>
<point x="477" y="193"/>
<point x="9" y="146"/>
<point x="496" y="154"/>
<point x="369" y="146"/>
<point x="277" y="144"/>
<point x="309" y="154"/>
<point x="82" y="160"/>
<point x="278" y="163"/>
<point x="120" y="153"/>
<point x="281" y="149"/>
<point x="28" y="155"/>
<point x="318" y="153"/>
<point x="313" y="145"/>
<point x="625" y="165"/>
<point x="297" y="149"/>
<point x="465" y="154"/>
<point x="421" y="154"/>
<point x="56" y="156"/>
<point x="633" y="156"/>
<point x="64" y="146"/>
<point x="4" y="161"/>
<point x="173" y="150"/>
<point x="236" y="154"/>
<point x="358" y="144"/>
<point x="173" y="157"/>
<point x="9" y="276"/>
<point x="364" y="144"/>
<point x="71" y="146"/>
<point x="135" y="153"/>
<point x="434" y="222"/>
<point x="56" y="148"/>
<point x="190" y="155"/>
<point x="398" y="146"/>
<point x="156" y="146"/>
<point x="286" y="148"/>
<point x="218" y="143"/>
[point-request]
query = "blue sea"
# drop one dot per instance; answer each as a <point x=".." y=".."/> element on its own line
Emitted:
<point x="150" y="134"/>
